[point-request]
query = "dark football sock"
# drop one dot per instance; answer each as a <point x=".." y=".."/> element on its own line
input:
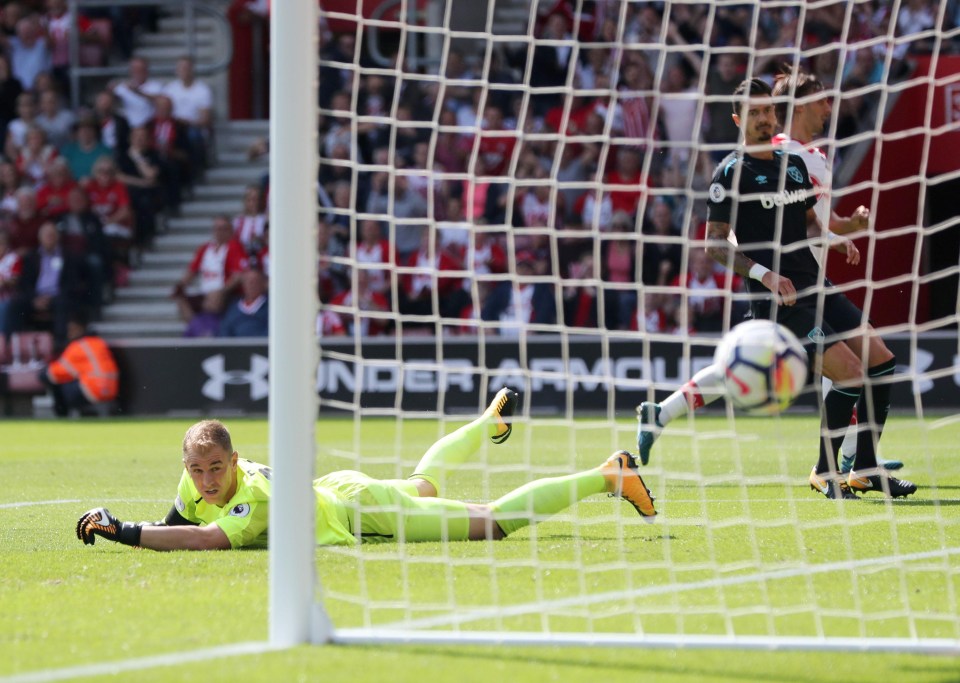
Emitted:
<point x="837" y="409"/>
<point x="872" y="411"/>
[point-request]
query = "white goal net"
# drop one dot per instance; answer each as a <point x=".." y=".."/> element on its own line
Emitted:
<point x="515" y="194"/>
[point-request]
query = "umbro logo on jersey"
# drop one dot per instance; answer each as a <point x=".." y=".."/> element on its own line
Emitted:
<point x="761" y="180"/>
<point x="782" y="198"/>
<point x="795" y="174"/>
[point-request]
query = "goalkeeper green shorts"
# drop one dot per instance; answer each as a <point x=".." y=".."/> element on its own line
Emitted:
<point x="390" y="510"/>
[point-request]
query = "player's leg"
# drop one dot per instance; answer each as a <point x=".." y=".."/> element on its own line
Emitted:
<point x="874" y="405"/>
<point x="539" y="499"/>
<point x="705" y="387"/>
<point x="455" y="448"/>
<point x="842" y="367"/>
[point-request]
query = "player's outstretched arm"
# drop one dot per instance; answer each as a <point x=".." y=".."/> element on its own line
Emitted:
<point x="101" y="522"/>
<point x="858" y="220"/>
<point x="719" y="247"/>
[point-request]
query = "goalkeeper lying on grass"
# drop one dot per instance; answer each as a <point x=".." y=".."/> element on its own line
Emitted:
<point x="224" y="501"/>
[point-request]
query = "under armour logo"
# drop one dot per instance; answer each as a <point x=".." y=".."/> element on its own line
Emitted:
<point x="257" y="377"/>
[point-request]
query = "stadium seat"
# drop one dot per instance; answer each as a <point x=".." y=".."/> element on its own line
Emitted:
<point x="21" y="359"/>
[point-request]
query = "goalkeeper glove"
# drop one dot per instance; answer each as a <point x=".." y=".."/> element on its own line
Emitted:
<point x="99" y="522"/>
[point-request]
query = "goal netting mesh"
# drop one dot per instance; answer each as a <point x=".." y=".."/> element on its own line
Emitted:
<point x="514" y="194"/>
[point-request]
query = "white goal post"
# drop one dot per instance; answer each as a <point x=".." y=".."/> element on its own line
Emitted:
<point x="445" y="129"/>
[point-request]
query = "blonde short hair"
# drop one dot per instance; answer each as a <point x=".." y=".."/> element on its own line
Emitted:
<point x="206" y="435"/>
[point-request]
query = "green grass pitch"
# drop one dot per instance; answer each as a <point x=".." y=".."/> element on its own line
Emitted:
<point x="737" y="520"/>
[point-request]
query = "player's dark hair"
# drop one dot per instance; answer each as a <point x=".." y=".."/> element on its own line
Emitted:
<point x="793" y="84"/>
<point x="752" y="87"/>
<point x="203" y="436"/>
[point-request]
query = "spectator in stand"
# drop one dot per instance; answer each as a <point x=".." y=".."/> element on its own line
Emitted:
<point x="53" y="282"/>
<point x="594" y="210"/>
<point x="408" y="212"/>
<point x="262" y="260"/>
<point x="724" y="74"/>
<point x="84" y="149"/>
<point x="578" y="166"/>
<point x="33" y="160"/>
<point x="217" y="265"/>
<point x="452" y="148"/>
<point x="359" y="299"/>
<point x="10" y="14"/>
<point x="56" y="121"/>
<point x="627" y="173"/>
<point x="193" y="108"/>
<point x="58" y="23"/>
<point x="168" y="138"/>
<point x="249" y="315"/>
<point x="10" y="266"/>
<point x="619" y="267"/>
<point x="341" y="218"/>
<point x="9" y="184"/>
<point x="915" y="16"/>
<point x="111" y="202"/>
<point x="114" y="127"/>
<point x="662" y="249"/>
<point x="85" y="374"/>
<point x="248" y="225"/>
<point x="634" y="112"/>
<point x="538" y="209"/>
<point x="416" y="296"/>
<point x="579" y="298"/>
<point x="53" y="193"/>
<point x="138" y="168"/>
<point x="333" y="276"/>
<point x="678" y="111"/>
<point x="551" y="63"/>
<point x="17" y="129"/>
<point x="488" y="258"/>
<point x="495" y="143"/>
<point x="657" y="315"/>
<point x="703" y="290"/>
<point x="137" y="92"/>
<point x="10" y="91"/>
<point x="81" y="233"/>
<point x="29" y="54"/>
<point x="373" y="248"/>
<point x="334" y="78"/>
<point x="24" y="225"/>
<point x="517" y="303"/>
<point x="245" y="17"/>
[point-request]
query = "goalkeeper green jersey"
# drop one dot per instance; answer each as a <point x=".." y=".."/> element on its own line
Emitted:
<point x="245" y="517"/>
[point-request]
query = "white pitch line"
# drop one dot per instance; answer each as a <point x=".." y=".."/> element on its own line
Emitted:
<point x="31" y="503"/>
<point x="113" y="668"/>
<point x="501" y="611"/>
<point x="71" y="501"/>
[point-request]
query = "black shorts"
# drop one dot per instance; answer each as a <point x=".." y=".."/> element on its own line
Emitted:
<point x="817" y="333"/>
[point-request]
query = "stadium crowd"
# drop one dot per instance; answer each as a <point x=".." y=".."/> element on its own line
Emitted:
<point x="585" y="186"/>
<point x="471" y="200"/>
<point x="81" y="192"/>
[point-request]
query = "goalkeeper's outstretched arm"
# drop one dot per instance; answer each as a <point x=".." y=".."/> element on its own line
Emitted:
<point x="101" y="522"/>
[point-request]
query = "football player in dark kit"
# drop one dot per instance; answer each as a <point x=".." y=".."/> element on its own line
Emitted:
<point x="764" y="196"/>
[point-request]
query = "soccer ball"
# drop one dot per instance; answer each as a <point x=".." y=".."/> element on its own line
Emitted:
<point x="764" y="366"/>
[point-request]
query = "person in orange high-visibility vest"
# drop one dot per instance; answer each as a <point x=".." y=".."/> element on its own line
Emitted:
<point x="85" y="374"/>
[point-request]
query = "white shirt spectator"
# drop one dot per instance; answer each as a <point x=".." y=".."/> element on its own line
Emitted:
<point x="189" y="102"/>
<point x="138" y="109"/>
